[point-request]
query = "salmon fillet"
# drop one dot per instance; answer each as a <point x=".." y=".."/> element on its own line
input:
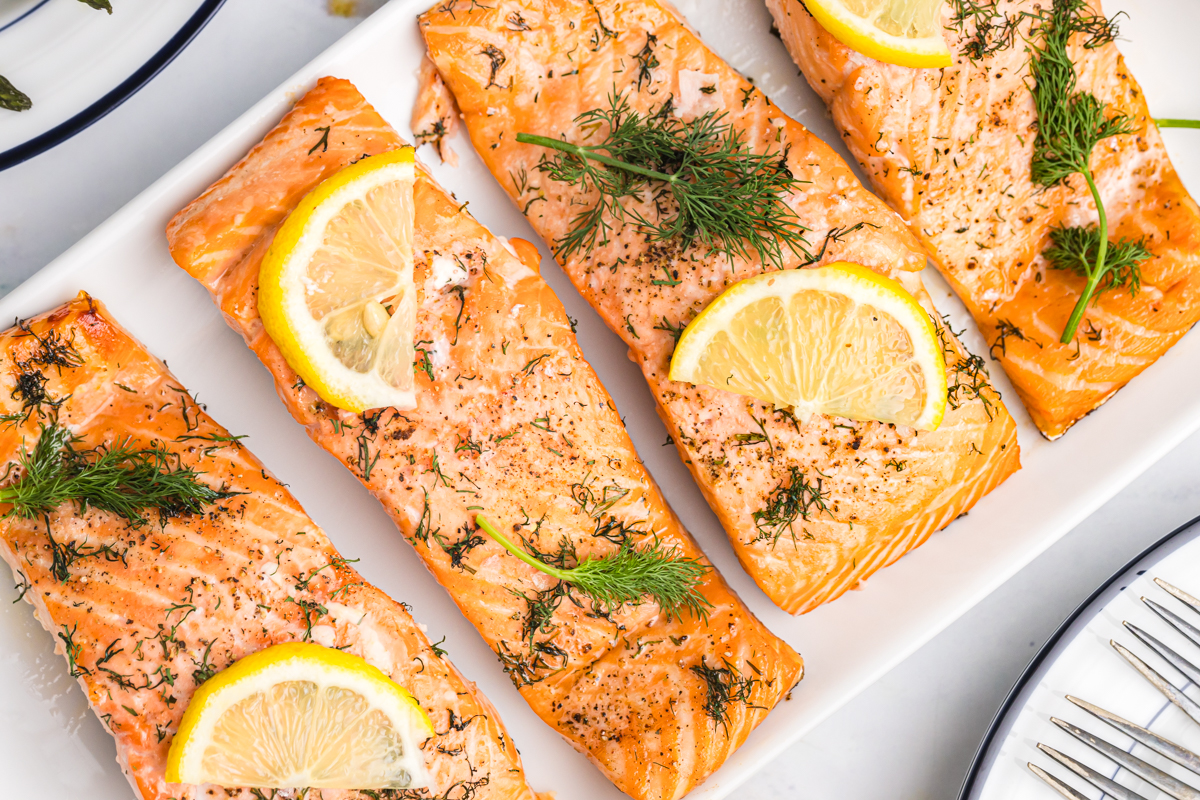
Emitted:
<point x="951" y="149"/>
<point x="533" y="66"/>
<point x="145" y="614"/>
<point x="513" y="423"/>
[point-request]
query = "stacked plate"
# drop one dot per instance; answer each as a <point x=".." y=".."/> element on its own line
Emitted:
<point x="77" y="63"/>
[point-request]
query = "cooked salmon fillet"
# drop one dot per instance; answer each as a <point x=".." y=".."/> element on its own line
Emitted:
<point x="145" y="614"/>
<point x="951" y="149"/>
<point x="871" y="491"/>
<point x="513" y="423"/>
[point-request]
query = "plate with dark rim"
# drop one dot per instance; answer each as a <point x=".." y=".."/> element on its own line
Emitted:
<point x="1078" y="660"/>
<point x="77" y="63"/>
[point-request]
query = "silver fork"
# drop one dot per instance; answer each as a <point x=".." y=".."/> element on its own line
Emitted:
<point x="1185" y="667"/>
<point x="1147" y="772"/>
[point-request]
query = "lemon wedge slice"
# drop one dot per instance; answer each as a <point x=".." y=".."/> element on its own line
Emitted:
<point x="296" y="715"/>
<point x="904" y="32"/>
<point x="839" y="340"/>
<point x="335" y="289"/>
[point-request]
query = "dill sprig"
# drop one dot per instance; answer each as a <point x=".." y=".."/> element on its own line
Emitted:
<point x="120" y="478"/>
<point x="708" y="187"/>
<point x="1070" y="125"/>
<point x="629" y="575"/>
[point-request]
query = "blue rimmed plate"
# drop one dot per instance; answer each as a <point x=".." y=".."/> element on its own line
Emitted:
<point x="77" y="63"/>
<point x="1078" y="660"/>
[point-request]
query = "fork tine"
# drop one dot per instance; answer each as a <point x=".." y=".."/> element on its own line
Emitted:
<point x="1090" y="775"/>
<point x="1147" y="772"/>
<point x="1180" y="755"/>
<point x="1170" y="656"/>
<point x="1179" y="594"/>
<point x="1055" y="784"/>
<point x="1186" y="704"/>
<point x="1175" y="621"/>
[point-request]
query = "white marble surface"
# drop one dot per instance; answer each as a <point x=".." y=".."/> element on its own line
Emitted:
<point x="911" y="735"/>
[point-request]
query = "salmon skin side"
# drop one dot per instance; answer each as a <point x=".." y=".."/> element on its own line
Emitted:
<point x="513" y="423"/>
<point x="882" y="489"/>
<point x="145" y="614"/>
<point x="951" y="149"/>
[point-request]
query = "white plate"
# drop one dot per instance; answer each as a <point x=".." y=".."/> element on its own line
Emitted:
<point x="78" y="63"/>
<point x="1079" y="661"/>
<point x="847" y="644"/>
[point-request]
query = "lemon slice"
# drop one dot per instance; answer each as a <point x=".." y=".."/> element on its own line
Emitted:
<point x="336" y="289"/>
<point x="296" y="715"/>
<point x="838" y="340"/>
<point x="904" y="32"/>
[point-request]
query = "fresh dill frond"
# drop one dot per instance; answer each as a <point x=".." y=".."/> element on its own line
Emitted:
<point x="1070" y="125"/>
<point x="708" y="187"/>
<point x="122" y="478"/>
<point x="629" y="575"/>
<point x="1077" y="249"/>
<point x="794" y="498"/>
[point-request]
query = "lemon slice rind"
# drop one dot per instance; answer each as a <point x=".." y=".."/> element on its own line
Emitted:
<point x="284" y="285"/>
<point x="860" y="285"/>
<point x="308" y="663"/>
<point x="862" y="35"/>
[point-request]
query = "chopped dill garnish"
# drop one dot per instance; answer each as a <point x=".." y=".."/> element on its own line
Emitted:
<point x="459" y="550"/>
<point x="646" y="60"/>
<point x="708" y="186"/>
<point x="966" y="375"/>
<point x="1004" y="330"/>
<point x="64" y="555"/>
<point x="204" y="670"/>
<point x="676" y="331"/>
<point x="425" y="527"/>
<point x="52" y="349"/>
<point x="323" y="142"/>
<point x="1070" y="125"/>
<point x="990" y="30"/>
<point x="423" y="362"/>
<point x="724" y="685"/>
<point x="794" y="498"/>
<point x="969" y="381"/>
<point x="72" y="650"/>
<point x="120" y="478"/>
<point x="439" y="651"/>
<point x="593" y="504"/>
<point x="629" y="575"/>
<point x="367" y="461"/>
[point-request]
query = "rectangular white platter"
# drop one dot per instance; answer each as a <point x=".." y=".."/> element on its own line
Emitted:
<point x="51" y="747"/>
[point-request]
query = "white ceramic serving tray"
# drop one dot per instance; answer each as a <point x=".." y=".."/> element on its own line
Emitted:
<point x="51" y="747"/>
